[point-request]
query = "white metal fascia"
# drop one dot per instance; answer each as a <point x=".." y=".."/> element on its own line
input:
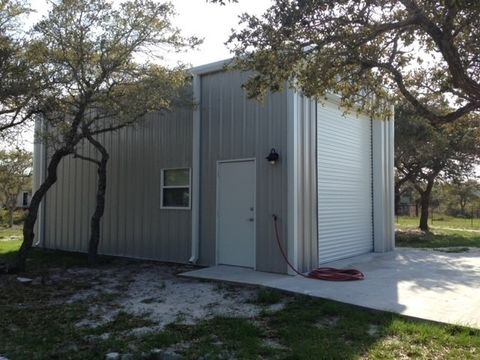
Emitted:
<point x="391" y="181"/>
<point x="211" y="67"/>
<point x="292" y="179"/>
<point x="379" y="185"/>
<point x="196" y="170"/>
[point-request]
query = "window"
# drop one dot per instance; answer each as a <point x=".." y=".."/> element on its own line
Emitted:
<point x="25" y="199"/>
<point x="175" y="189"/>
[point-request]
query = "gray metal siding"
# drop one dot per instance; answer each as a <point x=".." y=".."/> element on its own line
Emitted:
<point x="133" y="224"/>
<point x="307" y="183"/>
<point x="233" y="127"/>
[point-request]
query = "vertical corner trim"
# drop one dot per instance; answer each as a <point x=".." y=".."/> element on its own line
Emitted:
<point x="391" y="177"/>
<point x="383" y="173"/>
<point x="40" y="163"/>
<point x="196" y="170"/>
<point x="292" y="179"/>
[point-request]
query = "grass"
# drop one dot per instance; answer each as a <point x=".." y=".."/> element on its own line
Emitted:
<point x="319" y="329"/>
<point x="268" y="297"/>
<point x="39" y="260"/>
<point x="439" y="222"/>
<point x="10" y="241"/>
<point x="14" y="233"/>
<point x="37" y="323"/>
<point x="437" y="238"/>
<point x="443" y="234"/>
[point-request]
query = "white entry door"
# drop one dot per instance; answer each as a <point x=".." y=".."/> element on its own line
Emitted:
<point x="236" y="213"/>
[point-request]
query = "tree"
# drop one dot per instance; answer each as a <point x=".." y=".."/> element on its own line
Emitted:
<point x="86" y="53"/>
<point x="15" y="176"/>
<point x="366" y="49"/>
<point x="464" y="191"/>
<point x="426" y="153"/>
<point x="18" y="80"/>
<point x="100" y="195"/>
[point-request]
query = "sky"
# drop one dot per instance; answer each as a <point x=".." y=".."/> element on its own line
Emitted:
<point x="211" y="22"/>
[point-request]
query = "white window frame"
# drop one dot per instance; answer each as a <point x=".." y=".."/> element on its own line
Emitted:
<point x="163" y="186"/>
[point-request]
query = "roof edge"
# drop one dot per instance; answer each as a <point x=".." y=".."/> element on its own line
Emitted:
<point x="211" y="67"/>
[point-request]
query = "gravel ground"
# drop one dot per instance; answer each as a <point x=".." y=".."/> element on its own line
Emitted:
<point x="154" y="292"/>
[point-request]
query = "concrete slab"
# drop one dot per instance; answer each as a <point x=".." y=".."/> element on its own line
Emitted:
<point x="426" y="284"/>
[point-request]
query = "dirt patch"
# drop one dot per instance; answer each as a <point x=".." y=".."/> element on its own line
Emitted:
<point x="154" y="292"/>
<point x="373" y="330"/>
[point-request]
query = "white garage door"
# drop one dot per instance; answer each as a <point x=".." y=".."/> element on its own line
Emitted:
<point x="344" y="184"/>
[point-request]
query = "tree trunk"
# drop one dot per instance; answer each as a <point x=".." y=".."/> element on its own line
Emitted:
<point x="425" y="204"/>
<point x="462" y="207"/>
<point x="31" y="218"/>
<point x="100" y="202"/>
<point x="10" y="216"/>
<point x="397" y="199"/>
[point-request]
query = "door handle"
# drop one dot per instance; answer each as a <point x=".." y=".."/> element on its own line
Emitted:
<point x="251" y="219"/>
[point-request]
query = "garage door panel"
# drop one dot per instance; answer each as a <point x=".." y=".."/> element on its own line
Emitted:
<point x="344" y="163"/>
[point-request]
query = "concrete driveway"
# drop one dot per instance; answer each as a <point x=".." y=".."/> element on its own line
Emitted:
<point x="425" y="284"/>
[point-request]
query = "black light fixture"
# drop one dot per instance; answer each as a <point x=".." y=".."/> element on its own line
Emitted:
<point x="273" y="156"/>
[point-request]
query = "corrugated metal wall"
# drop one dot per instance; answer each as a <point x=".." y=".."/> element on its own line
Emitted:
<point x="307" y="183"/>
<point x="344" y="145"/>
<point x="133" y="224"/>
<point x="233" y="127"/>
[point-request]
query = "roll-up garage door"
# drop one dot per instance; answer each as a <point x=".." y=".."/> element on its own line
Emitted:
<point x="344" y="165"/>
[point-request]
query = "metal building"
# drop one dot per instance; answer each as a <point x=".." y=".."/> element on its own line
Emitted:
<point x="195" y="185"/>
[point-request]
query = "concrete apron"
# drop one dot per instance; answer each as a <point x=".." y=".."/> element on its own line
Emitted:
<point x="426" y="284"/>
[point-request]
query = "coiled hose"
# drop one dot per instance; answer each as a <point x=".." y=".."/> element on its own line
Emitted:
<point x="322" y="273"/>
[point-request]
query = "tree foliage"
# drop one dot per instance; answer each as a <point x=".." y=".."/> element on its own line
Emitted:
<point x="18" y="82"/>
<point x="463" y="193"/>
<point x="88" y="49"/>
<point x="15" y="176"/>
<point x="88" y="56"/>
<point x="366" y="49"/>
<point x="426" y="152"/>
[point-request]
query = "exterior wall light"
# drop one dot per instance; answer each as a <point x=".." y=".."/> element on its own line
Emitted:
<point x="272" y="157"/>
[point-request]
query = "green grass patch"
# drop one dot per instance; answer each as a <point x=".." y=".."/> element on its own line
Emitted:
<point x="319" y="329"/>
<point x="122" y="322"/>
<point x="40" y="260"/>
<point x="268" y="297"/>
<point x="437" y="238"/>
<point x="445" y="232"/>
<point x="37" y="322"/>
<point x="13" y="233"/>
<point x="220" y="338"/>
<point x="306" y="329"/>
<point x="9" y="248"/>
<point x="439" y="222"/>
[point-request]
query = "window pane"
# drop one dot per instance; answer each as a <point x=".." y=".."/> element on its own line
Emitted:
<point x="177" y="177"/>
<point x="176" y="197"/>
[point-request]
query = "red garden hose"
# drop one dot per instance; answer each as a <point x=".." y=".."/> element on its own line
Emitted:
<point x="322" y="273"/>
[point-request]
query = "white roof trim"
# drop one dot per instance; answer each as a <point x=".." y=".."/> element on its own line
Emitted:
<point x="211" y="67"/>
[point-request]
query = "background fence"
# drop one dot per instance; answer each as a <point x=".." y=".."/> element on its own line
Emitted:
<point x="468" y="218"/>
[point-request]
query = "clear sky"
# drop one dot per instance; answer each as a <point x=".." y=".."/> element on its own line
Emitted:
<point x="211" y="22"/>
